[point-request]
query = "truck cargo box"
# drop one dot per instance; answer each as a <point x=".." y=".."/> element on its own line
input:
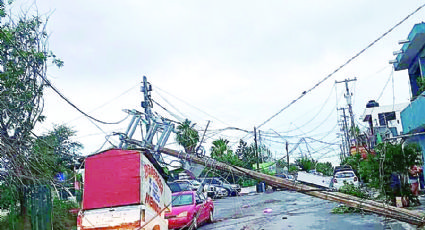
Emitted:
<point x="123" y="188"/>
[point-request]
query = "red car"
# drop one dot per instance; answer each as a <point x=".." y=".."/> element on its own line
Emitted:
<point x="189" y="207"/>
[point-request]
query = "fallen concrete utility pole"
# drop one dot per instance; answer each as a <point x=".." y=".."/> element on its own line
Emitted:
<point x="409" y="216"/>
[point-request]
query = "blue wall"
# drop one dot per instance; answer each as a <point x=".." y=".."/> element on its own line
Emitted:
<point x="413" y="116"/>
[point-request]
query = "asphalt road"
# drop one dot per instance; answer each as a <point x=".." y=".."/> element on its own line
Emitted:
<point x="290" y="210"/>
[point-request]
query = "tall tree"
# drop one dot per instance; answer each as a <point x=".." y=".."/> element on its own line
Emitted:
<point x="23" y="64"/>
<point x="221" y="151"/>
<point x="187" y="136"/>
<point x="219" y="148"/>
<point x="55" y="152"/>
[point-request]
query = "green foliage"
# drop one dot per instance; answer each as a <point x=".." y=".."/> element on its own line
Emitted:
<point x="353" y="161"/>
<point x="222" y="152"/>
<point x="325" y="168"/>
<point x="389" y="159"/>
<point x="249" y="182"/>
<point x="62" y="218"/>
<point x="342" y="209"/>
<point x="306" y="163"/>
<point x="219" y="148"/>
<point x="293" y="168"/>
<point x="350" y="189"/>
<point x="24" y="57"/>
<point x="8" y="195"/>
<point x="55" y="152"/>
<point x="187" y="136"/>
<point x="421" y="84"/>
<point x="246" y="153"/>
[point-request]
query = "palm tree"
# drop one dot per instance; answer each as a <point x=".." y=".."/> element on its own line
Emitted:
<point x="220" y="147"/>
<point x="187" y="136"/>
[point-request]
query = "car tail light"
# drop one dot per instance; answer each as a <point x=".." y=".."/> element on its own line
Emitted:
<point x="355" y="179"/>
<point x="335" y="181"/>
<point x="182" y="214"/>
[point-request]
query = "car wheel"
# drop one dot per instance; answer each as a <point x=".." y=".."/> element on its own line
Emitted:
<point x="233" y="193"/>
<point x="216" y="196"/>
<point x="226" y="193"/>
<point x="211" y="218"/>
<point x="229" y="193"/>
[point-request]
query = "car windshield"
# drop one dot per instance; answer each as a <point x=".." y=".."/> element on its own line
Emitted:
<point x="180" y="200"/>
<point x="196" y="183"/>
<point x="344" y="175"/>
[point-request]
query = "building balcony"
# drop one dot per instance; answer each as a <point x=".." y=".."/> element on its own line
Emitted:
<point x="412" y="117"/>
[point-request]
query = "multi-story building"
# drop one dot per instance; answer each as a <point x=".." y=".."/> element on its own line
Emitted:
<point x="383" y="120"/>
<point x="411" y="57"/>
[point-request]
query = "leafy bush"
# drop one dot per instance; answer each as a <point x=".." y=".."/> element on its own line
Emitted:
<point x="350" y="189"/>
<point x="249" y="182"/>
<point x="62" y="218"/>
<point x="306" y="163"/>
<point x="341" y="209"/>
<point x="421" y="84"/>
<point x="390" y="159"/>
<point x="325" y="168"/>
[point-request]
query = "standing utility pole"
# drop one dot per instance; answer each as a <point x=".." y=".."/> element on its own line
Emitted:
<point x="256" y="148"/>
<point x="147" y="102"/>
<point x="287" y="154"/>
<point x="350" y="109"/>
<point x="346" y="143"/>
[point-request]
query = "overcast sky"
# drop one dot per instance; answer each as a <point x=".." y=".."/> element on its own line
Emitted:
<point x="235" y="63"/>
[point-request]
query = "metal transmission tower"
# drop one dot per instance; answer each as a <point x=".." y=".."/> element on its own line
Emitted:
<point x="155" y="125"/>
<point x="348" y="95"/>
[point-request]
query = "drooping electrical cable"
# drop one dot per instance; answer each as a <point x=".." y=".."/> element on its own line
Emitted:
<point x="342" y="66"/>
<point x="74" y="106"/>
<point x="196" y="108"/>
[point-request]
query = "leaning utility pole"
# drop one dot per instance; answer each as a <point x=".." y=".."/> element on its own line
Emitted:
<point x="350" y="109"/>
<point x="409" y="216"/>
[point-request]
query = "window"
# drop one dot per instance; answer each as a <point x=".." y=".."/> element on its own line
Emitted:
<point x="181" y="200"/>
<point x="344" y="175"/>
<point x="385" y="117"/>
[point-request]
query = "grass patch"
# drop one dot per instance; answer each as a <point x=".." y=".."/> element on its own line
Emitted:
<point x="342" y="209"/>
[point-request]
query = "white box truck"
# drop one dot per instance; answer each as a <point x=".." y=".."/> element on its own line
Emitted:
<point x="123" y="189"/>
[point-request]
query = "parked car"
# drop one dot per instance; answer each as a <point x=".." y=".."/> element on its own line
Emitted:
<point x="178" y="187"/>
<point x="214" y="191"/>
<point x="341" y="168"/>
<point x="195" y="183"/>
<point x="189" y="207"/>
<point x="192" y="184"/>
<point x="232" y="189"/>
<point x="344" y="177"/>
<point x="221" y="192"/>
